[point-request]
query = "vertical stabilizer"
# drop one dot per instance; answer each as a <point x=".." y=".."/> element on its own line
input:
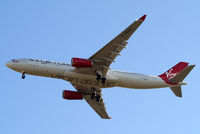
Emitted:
<point x="181" y="76"/>
<point x="174" y="70"/>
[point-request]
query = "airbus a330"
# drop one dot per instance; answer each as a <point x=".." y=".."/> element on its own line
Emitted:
<point x="89" y="76"/>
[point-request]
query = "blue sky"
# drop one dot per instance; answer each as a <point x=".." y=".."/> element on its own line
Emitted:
<point x="58" y="30"/>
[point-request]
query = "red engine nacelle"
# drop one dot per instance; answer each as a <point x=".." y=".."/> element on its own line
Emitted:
<point x="72" y="95"/>
<point x="79" y="62"/>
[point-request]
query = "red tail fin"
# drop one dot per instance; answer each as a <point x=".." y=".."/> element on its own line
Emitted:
<point x="174" y="70"/>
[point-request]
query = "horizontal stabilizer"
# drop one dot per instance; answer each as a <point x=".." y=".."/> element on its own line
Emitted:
<point x="181" y="76"/>
<point x="177" y="91"/>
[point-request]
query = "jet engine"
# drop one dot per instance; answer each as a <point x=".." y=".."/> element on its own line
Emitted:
<point x="72" y="95"/>
<point x="79" y="62"/>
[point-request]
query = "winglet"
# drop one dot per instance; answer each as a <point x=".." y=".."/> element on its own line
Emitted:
<point x="142" y="18"/>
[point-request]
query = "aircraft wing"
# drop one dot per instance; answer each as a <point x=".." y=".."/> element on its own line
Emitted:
<point x="106" y="55"/>
<point x="98" y="107"/>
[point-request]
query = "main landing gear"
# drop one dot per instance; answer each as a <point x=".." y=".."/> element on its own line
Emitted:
<point x="98" y="77"/>
<point x="97" y="97"/>
<point x="23" y="75"/>
<point x="103" y="80"/>
<point x="92" y="96"/>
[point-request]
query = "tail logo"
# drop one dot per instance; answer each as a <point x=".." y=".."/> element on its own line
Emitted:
<point x="170" y="74"/>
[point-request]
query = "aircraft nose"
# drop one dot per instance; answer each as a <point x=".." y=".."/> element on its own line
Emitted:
<point x="13" y="64"/>
<point x="9" y="64"/>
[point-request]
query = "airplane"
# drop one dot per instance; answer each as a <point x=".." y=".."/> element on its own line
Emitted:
<point x="89" y="76"/>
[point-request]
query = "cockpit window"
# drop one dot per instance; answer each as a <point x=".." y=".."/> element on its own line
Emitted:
<point x="14" y="60"/>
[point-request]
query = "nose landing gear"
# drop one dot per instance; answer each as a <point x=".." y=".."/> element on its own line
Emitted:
<point x="23" y="75"/>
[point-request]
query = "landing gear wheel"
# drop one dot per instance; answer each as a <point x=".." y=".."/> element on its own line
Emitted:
<point x="103" y="80"/>
<point x="98" y="77"/>
<point x="97" y="98"/>
<point x="23" y="75"/>
<point x="92" y="96"/>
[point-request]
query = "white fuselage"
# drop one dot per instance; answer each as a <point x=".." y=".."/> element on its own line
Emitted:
<point x="69" y="73"/>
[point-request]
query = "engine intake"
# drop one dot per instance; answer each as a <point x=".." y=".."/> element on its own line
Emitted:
<point x="72" y="95"/>
<point x="79" y="62"/>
